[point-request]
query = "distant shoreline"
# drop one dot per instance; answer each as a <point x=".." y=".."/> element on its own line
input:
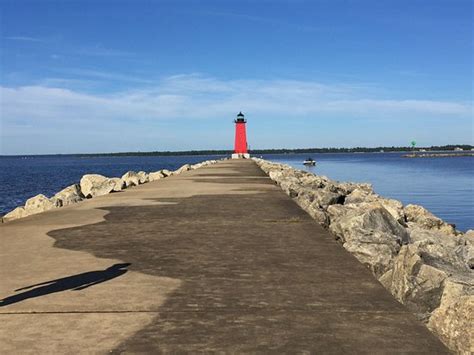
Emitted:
<point x="439" y="149"/>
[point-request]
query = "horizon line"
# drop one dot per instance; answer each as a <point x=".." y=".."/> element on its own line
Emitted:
<point x="229" y="151"/>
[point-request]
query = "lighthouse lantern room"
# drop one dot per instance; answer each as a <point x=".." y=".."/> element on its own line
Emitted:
<point x="240" y="147"/>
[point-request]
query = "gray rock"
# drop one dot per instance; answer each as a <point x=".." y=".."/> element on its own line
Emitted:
<point x="275" y="175"/>
<point x="394" y="207"/>
<point x="119" y="184"/>
<point x="198" y="165"/>
<point x="166" y="172"/>
<point x="414" y="283"/>
<point x="368" y="231"/>
<point x="318" y="214"/>
<point x="358" y="196"/>
<point x="182" y="169"/>
<point x="452" y="321"/>
<point x="439" y="249"/>
<point x="69" y="195"/>
<point x="291" y="187"/>
<point x="93" y="185"/>
<point x="468" y="248"/>
<point x="131" y="178"/>
<point x="17" y="213"/>
<point x="39" y="203"/>
<point x="325" y="198"/>
<point x="157" y="175"/>
<point x="425" y="219"/>
<point x="142" y="177"/>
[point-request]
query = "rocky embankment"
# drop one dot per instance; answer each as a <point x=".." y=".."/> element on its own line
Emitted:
<point x="423" y="261"/>
<point x="93" y="185"/>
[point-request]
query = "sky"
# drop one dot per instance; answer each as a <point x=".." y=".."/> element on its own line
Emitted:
<point x="114" y="76"/>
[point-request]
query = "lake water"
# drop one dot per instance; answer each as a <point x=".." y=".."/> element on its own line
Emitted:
<point x="445" y="186"/>
<point x="24" y="177"/>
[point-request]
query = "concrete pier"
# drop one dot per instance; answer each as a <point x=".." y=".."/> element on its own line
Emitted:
<point x="215" y="259"/>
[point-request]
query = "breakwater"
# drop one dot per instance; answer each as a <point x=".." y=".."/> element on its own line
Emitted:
<point x="423" y="261"/>
<point x="93" y="185"/>
<point x="219" y="259"/>
<point x="438" y="155"/>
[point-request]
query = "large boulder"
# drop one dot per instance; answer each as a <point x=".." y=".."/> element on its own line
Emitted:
<point x="18" y="212"/>
<point x="394" y="207"/>
<point x="143" y="177"/>
<point x="199" y="165"/>
<point x="119" y="184"/>
<point x="468" y="250"/>
<point x="69" y="195"/>
<point x="358" y="196"/>
<point x="325" y="198"/>
<point x="166" y="172"/>
<point x="182" y="169"/>
<point x="440" y="249"/>
<point x="156" y="175"/>
<point x="131" y="178"/>
<point x="414" y="283"/>
<point x="39" y="203"/>
<point x="275" y="175"/>
<point x="425" y="219"/>
<point x="33" y="205"/>
<point x="369" y="232"/>
<point x="318" y="214"/>
<point x="452" y="321"/>
<point x="93" y="185"/>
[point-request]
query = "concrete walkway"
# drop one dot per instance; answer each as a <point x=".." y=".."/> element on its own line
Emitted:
<point x="216" y="259"/>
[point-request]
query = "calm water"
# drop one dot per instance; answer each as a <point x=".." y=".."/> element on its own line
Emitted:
<point x="24" y="177"/>
<point x="443" y="185"/>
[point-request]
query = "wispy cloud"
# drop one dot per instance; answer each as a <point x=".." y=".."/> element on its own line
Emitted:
<point x="270" y="21"/>
<point x="168" y="113"/>
<point x="88" y="74"/>
<point x="25" y="39"/>
<point x="101" y="51"/>
<point x="69" y="49"/>
<point x="199" y="97"/>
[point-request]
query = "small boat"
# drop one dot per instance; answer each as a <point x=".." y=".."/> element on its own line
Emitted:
<point x="309" y="162"/>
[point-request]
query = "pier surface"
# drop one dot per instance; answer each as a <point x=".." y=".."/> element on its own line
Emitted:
<point x="214" y="259"/>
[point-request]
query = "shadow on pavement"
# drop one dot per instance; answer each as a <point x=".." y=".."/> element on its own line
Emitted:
<point x="74" y="283"/>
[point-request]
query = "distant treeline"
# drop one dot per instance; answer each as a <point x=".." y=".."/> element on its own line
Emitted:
<point x="282" y="151"/>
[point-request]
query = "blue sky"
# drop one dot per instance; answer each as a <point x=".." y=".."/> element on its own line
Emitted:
<point x="108" y="76"/>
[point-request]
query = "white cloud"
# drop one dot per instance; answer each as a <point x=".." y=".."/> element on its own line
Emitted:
<point x="184" y="111"/>
<point x="24" y="39"/>
<point x="201" y="97"/>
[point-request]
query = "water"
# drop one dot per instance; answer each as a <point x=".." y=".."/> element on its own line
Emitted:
<point x="24" y="177"/>
<point x="445" y="186"/>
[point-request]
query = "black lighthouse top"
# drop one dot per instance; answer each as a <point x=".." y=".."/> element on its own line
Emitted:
<point x="240" y="118"/>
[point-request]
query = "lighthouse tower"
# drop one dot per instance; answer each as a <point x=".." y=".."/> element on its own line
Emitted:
<point x="240" y="147"/>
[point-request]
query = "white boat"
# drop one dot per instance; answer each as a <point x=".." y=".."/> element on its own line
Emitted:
<point x="309" y="162"/>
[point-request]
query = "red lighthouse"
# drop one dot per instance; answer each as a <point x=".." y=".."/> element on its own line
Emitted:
<point x="240" y="147"/>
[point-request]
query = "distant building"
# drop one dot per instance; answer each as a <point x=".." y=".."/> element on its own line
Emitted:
<point x="458" y="149"/>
